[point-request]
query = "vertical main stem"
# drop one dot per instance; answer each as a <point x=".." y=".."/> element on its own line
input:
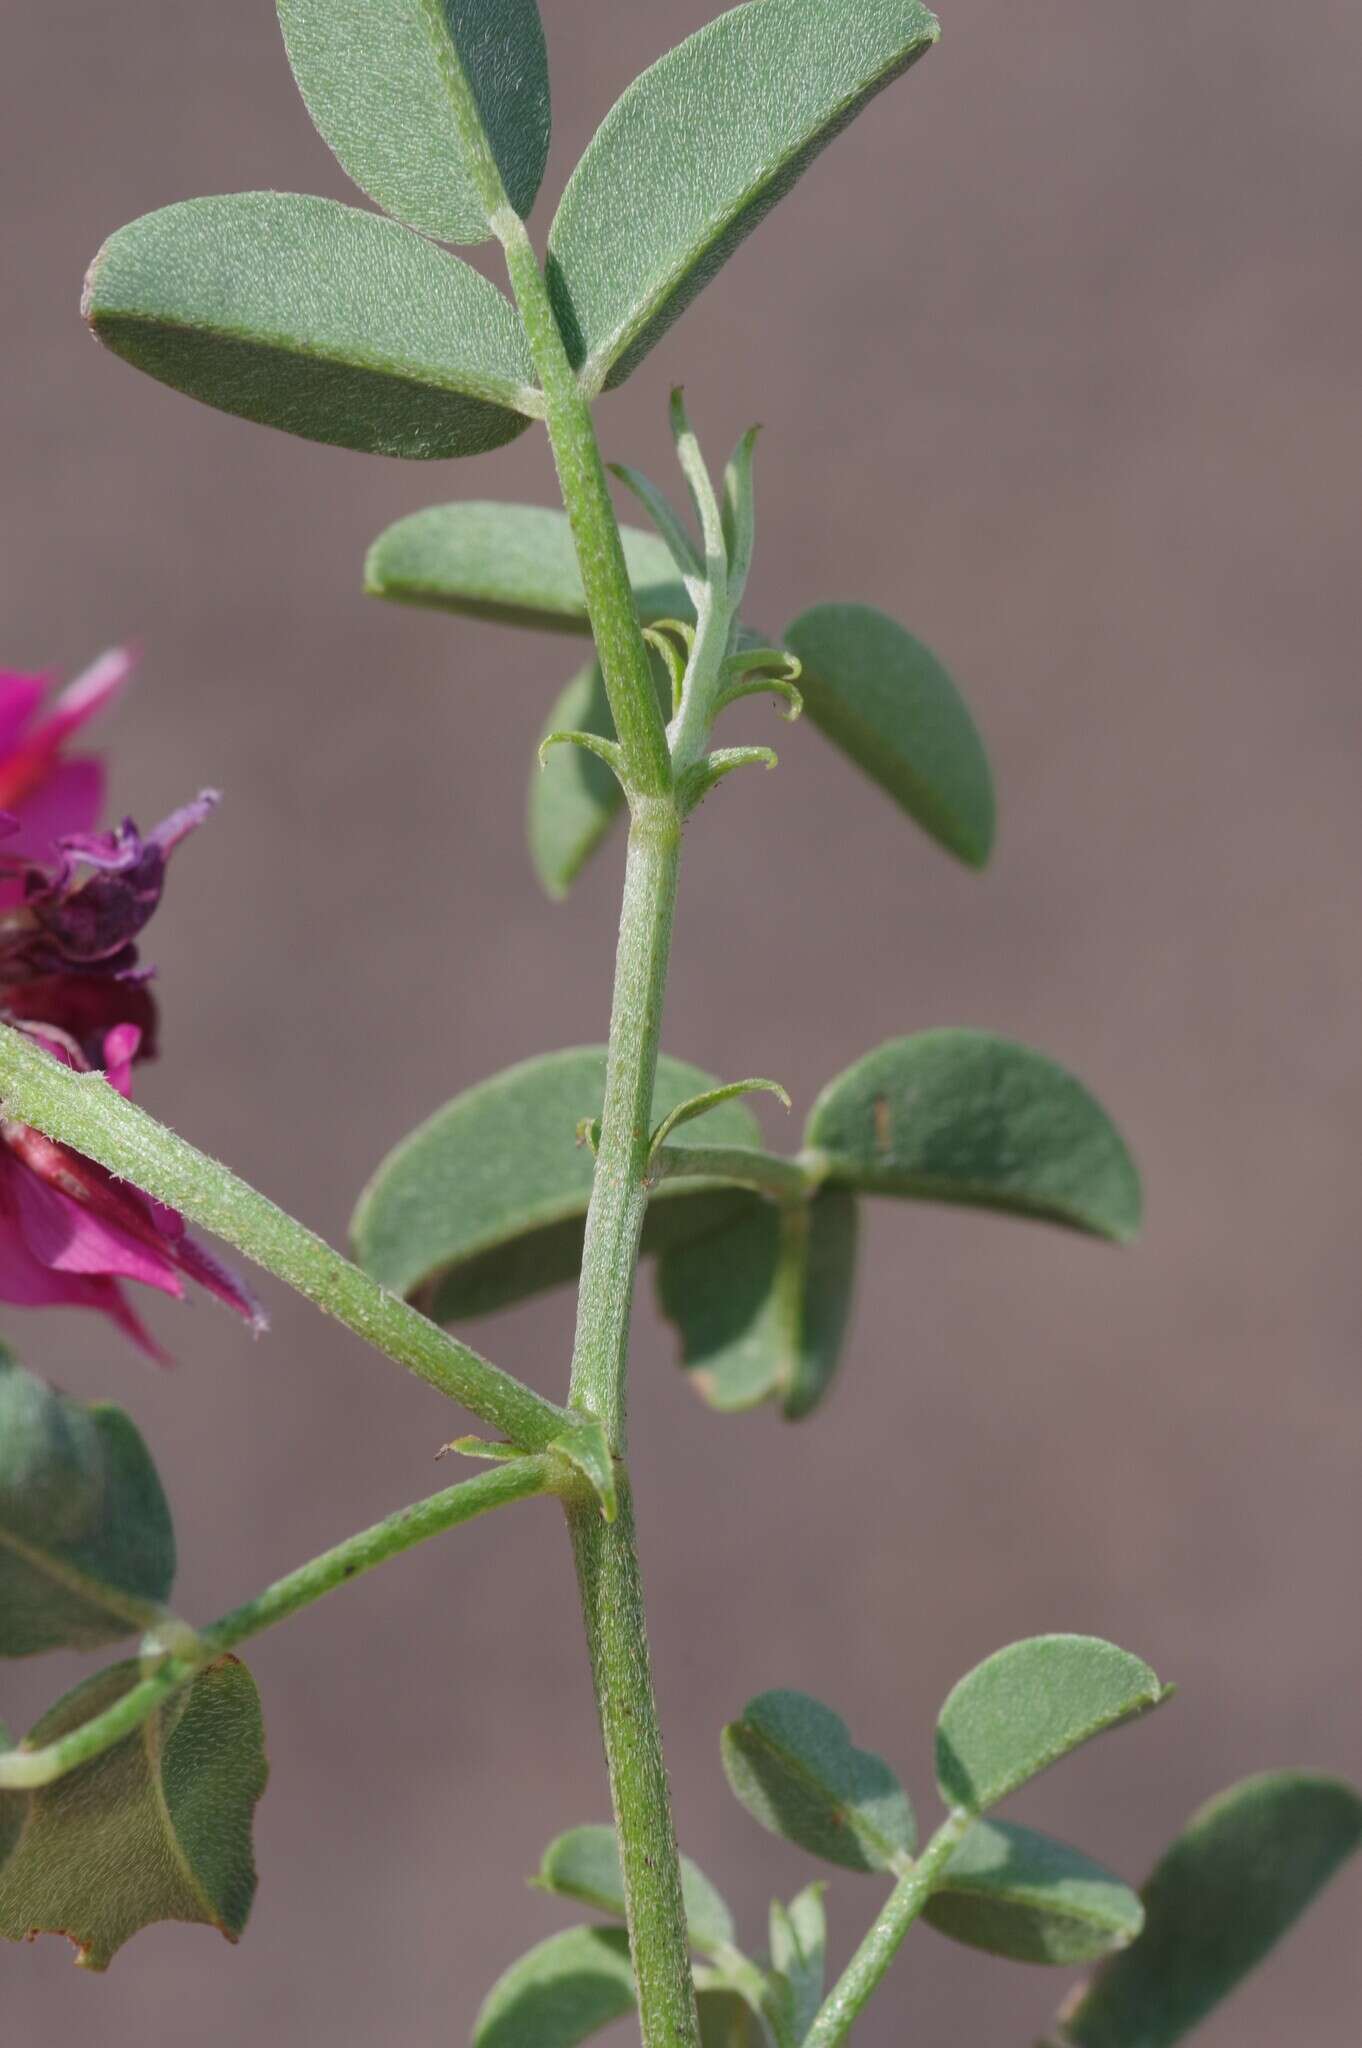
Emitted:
<point x="606" y="1553"/>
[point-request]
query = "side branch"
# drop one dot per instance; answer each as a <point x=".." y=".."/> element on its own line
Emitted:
<point x="83" y="1111"/>
<point x="518" y="1479"/>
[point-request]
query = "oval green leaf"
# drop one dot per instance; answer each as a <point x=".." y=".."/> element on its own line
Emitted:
<point x="886" y="701"/>
<point x="87" y="1551"/>
<point x="317" y="319"/>
<point x="516" y="564"/>
<point x="1246" y="1866"/>
<point x="584" y="1864"/>
<point x="966" y="1118"/>
<point x="790" y="1761"/>
<point x="372" y="75"/>
<point x="485" y="1203"/>
<point x="697" y="152"/>
<point x="158" y="1828"/>
<point x="761" y="1304"/>
<point x="560" y="1992"/>
<point x="1019" y="1894"/>
<point x="1028" y="1705"/>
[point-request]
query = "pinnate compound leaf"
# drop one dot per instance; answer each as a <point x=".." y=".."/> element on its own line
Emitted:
<point x="761" y="1303"/>
<point x="697" y="152"/>
<point x="799" y="1940"/>
<point x="318" y="319"/>
<point x="790" y="1761"/>
<point x="158" y="1828"/>
<point x="560" y="1992"/>
<point x="584" y="1864"/>
<point x="1019" y="1894"/>
<point x="1028" y="1705"/>
<point x="1246" y="1866"/>
<point x="87" y="1550"/>
<point x="372" y="74"/>
<point x="515" y="564"/>
<point x="485" y="1203"/>
<point x="886" y="701"/>
<point x="963" y="1117"/>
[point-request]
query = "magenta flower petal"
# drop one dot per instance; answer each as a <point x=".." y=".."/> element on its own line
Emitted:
<point x="65" y="1234"/>
<point x="68" y="800"/>
<point x="20" y="696"/>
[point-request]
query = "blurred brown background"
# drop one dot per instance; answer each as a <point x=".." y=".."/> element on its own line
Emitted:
<point x="1057" y="352"/>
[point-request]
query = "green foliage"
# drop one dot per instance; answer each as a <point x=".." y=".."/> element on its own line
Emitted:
<point x="761" y="1304"/>
<point x="790" y="1761"/>
<point x="1018" y="1894"/>
<point x="728" y="2021"/>
<point x="963" y="1117"/>
<point x="574" y="798"/>
<point x="1246" y="1866"/>
<point x="374" y="75"/>
<point x="484" y="1204"/>
<point x="886" y="701"/>
<point x="87" y="1551"/>
<point x="515" y="564"/>
<point x="584" y="1864"/>
<point x="697" y="152"/>
<point x="799" y="1940"/>
<point x="559" y="1993"/>
<point x="1028" y="1705"/>
<point x="157" y="1828"/>
<point x="316" y="318"/>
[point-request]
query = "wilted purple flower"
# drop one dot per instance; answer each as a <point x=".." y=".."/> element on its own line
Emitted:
<point x="73" y="904"/>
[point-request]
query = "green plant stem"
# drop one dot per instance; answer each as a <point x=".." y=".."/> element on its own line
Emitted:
<point x="517" y="1479"/>
<point x="82" y="1110"/>
<point x="615" y="626"/>
<point x="612" y="1604"/>
<point x="849" y="1995"/>
<point x="606" y="1554"/>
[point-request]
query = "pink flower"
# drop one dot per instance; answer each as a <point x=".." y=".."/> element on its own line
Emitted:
<point x="50" y="793"/>
<point x="70" y="1234"/>
<point x="72" y="906"/>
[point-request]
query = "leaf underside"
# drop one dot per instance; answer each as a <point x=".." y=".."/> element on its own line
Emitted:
<point x="761" y="1304"/>
<point x="791" y="1763"/>
<point x="370" y="75"/>
<point x="966" y="1118"/>
<point x="485" y="1203"/>
<point x="1246" y="1866"/>
<point x="514" y="564"/>
<point x="1030" y="1704"/>
<point x="318" y="319"/>
<point x="158" y="1828"/>
<point x="85" y="1532"/>
<point x="885" y="700"/>
<point x="1018" y="1894"/>
<point x="696" y="153"/>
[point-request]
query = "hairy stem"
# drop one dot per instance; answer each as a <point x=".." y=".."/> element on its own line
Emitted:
<point x="83" y="1111"/>
<point x="848" y="1997"/>
<point x="606" y="1554"/>
<point x="518" y="1479"/>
